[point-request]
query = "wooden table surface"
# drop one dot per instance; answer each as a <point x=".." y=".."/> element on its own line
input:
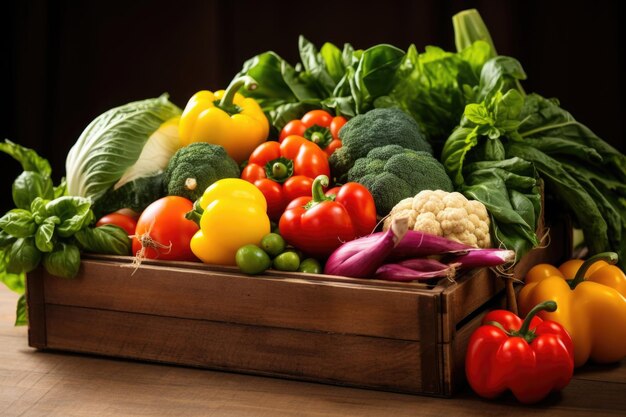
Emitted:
<point x="34" y="383"/>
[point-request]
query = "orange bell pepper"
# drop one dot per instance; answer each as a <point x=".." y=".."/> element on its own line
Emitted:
<point x="592" y="306"/>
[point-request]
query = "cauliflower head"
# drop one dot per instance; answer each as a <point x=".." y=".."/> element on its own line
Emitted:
<point x="447" y="214"/>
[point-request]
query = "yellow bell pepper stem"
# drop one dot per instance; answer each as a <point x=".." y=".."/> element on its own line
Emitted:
<point x="609" y="257"/>
<point x="225" y="118"/>
<point x="226" y="102"/>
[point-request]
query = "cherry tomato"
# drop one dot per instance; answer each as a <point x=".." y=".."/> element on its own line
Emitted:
<point x="122" y="220"/>
<point x="273" y="194"/>
<point x="317" y="117"/>
<point x="163" y="230"/>
<point x="296" y="186"/>
<point x="336" y="125"/>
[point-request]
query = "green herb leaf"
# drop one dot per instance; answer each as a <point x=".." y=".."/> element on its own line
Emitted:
<point x="107" y="239"/>
<point x="21" y="312"/>
<point x="28" y="158"/>
<point x="74" y="214"/>
<point x="18" y="223"/>
<point x="29" y="185"/>
<point x="23" y="256"/>
<point x="44" y="235"/>
<point x="63" y="261"/>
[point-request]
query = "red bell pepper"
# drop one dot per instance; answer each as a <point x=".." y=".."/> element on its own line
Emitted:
<point x="531" y="358"/>
<point x="319" y="224"/>
<point x="319" y="127"/>
<point x="284" y="171"/>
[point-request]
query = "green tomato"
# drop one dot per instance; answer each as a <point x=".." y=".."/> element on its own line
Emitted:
<point x="252" y="260"/>
<point x="310" y="266"/>
<point x="273" y="244"/>
<point x="287" y="261"/>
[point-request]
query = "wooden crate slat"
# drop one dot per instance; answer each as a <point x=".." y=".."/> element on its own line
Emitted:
<point x="296" y="303"/>
<point x="343" y="359"/>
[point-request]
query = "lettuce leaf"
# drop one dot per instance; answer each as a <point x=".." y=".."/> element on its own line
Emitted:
<point x="112" y="143"/>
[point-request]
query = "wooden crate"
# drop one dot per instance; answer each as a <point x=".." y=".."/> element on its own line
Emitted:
<point x="404" y="337"/>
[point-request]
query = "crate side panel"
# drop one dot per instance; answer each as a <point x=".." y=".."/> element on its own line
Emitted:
<point x="331" y="358"/>
<point x="36" y="309"/>
<point x="475" y="289"/>
<point x="285" y="302"/>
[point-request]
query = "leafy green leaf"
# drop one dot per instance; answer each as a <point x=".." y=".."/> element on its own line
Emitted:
<point x="14" y="282"/>
<point x="44" y="235"/>
<point x="74" y="214"/>
<point x="561" y="184"/>
<point x="314" y="65"/>
<point x="21" y="312"/>
<point x="63" y="261"/>
<point x="18" y="223"/>
<point x="61" y="189"/>
<point x="107" y="239"/>
<point x="112" y="143"/>
<point x="333" y="61"/>
<point x="28" y="158"/>
<point x="377" y="68"/>
<point x="23" y="256"/>
<point x="544" y="118"/>
<point x="31" y="184"/>
<point x="455" y="150"/>
<point x="478" y="114"/>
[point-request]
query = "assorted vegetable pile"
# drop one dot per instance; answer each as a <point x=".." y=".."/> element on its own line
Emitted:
<point x="373" y="164"/>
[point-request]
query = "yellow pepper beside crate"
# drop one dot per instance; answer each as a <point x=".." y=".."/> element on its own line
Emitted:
<point x="225" y="118"/>
<point x="591" y="307"/>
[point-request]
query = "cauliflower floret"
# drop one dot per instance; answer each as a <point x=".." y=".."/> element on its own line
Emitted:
<point x="427" y="222"/>
<point x="448" y="214"/>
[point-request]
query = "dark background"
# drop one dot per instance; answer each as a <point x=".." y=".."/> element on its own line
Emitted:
<point x="65" y="62"/>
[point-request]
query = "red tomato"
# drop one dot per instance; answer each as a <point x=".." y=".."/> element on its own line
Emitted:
<point x="273" y="194"/>
<point x="122" y="220"/>
<point x="317" y="117"/>
<point x="164" y="232"/>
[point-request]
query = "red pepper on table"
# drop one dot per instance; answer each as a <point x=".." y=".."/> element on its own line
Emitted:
<point x="284" y="171"/>
<point x="320" y="223"/>
<point x="319" y="127"/>
<point x="531" y="358"/>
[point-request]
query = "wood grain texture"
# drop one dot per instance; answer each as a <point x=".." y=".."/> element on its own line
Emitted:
<point x="294" y="303"/>
<point x="38" y="384"/>
<point x="36" y="309"/>
<point x="344" y="359"/>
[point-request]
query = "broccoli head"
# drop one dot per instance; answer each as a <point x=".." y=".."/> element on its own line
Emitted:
<point x="378" y="127"/>
<point x="196" y="166"/>
<point x="392" y="173"/>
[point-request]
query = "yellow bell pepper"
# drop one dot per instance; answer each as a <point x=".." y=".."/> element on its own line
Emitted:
<point x="225" y="118"/>
<point x="591" y="307"/>
<point x="234" y="213"/>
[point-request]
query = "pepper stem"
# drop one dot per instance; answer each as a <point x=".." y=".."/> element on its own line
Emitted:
<point x="545" y="306"/>
<point x="233" y="87"/>
<point x="279" y="170"/>
<point x="317" y="189"/>
<point x="609" y="257"/>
